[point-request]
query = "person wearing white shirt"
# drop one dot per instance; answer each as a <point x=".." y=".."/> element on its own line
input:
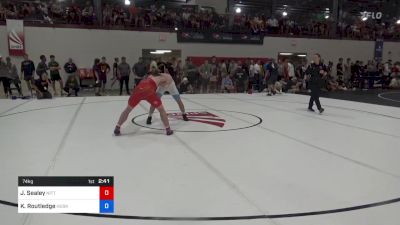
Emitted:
<point x="258" y="76"/>
<point x="291" y="70"/>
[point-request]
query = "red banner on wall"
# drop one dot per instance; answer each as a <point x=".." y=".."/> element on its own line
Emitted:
<point x="16" y="37"/>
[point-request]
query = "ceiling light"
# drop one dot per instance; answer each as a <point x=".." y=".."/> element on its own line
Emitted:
<point x="284" y="13"/>
<point x="238" y="10"/>
<point x="164" y="51"/>
<point x="127" y="2"/>
<point x="285" y="53"/>
<point x="157" y="53"/>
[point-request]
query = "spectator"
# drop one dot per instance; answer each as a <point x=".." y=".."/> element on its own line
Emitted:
<point x="42" y="66"/>
<point x="13" y="76"/>
<point x="72" y="80"/>
<point x="2" y="12"/>
<point x="43" y="9"/>
<point x="70" y="68"/>
<point x="387" y="72"/>
<point x="395" y="81"/>
<point x="340" y="70"/>
<point x="71" y="84"/>
<point x="214" y="75"/>
<point x="240" y="78"/>
<point x="54" y="67"/>
<point x="347" y="71"/>
<point x="115" y="68"/>
<point x="291" y="70"/>
<point x="27" y="70"/>
<point x="139" y="70"/>
<point x="258" y="76"/>
<point x="124" y="70"/>
<point x="4" y="77"/>
<point x="272" y="76"/>
<point x="190" y="72"/>
<point x="185" y="87"/>
<point x="205" y="74"/>
<point x="41" y="86"/>
<point x="293" y="85"/>
<point x="96" y="74"/>
<point x="227" y="85"/>
<point x="107" y="15"/>
<point x="104" y="70"/>
<point x="88" y="13"/>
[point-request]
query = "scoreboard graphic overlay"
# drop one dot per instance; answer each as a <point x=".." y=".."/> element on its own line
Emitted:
<point x="65" y="194"/>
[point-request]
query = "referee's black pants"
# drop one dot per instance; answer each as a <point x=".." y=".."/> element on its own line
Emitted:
<point x="122" y="80"/>
<point x="314" y="97"/>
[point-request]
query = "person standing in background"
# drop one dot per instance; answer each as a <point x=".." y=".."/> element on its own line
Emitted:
<point x="316" y="71"/>
<point x="124" y="70"/>
<point x="4" y="78"/>
<point x="139" y="70"/>
<point x="205" y="74"/>
<point x="178" y="70"/>
<point x="347" y="71"/>
<point x="258" y="75"/>
<point x="115" y="71"/>
<point x="104" y="70"/>
<point x="27" y="70"/>
<point x="240" y="78"/>
<point x="387" y="71"/>
<point x="55" y="74"/>
<point x="42" y="67"/>
<point x="340" y="69"/>
<point x="96" y="74"/>
<point x="13" y="75"/>
<point x="70" y="68"/>
<point x="191" y="72"/>
<point x="272" y="76"/>
<point x="72" y="79"/>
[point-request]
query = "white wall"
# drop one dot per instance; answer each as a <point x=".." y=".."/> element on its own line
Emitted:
<point x="84" y="45"/>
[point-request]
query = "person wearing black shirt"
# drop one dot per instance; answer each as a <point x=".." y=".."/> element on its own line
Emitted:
<point x="70" y="67"/>
<point x="41" y="86"/>
<point x="240" y="78"/>
<point x="27" y="70"/>
<point x="42" y="67"/>
<point x="72" y="80"/>
<point x="54" y="68"/>
<point x="316" y="71"/>
<point x="115" y="71"/>
<point x="272" y="70"/>
<point x="139" y="70"/>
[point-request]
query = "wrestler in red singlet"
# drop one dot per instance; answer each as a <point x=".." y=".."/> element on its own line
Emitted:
<point x="146" y="90"/>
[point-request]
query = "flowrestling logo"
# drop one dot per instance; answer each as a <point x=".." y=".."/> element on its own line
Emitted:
<point x="201" y="121"/>
<point x="200" y="117"/>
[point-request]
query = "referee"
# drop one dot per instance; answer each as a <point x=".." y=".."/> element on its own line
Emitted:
<point x="316" y="72"/>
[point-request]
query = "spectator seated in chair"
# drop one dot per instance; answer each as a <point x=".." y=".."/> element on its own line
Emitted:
<point x="227" y="85"/>
<point x="294" y="85"/>
<point x="41" y="86"/>
<point x="331" y="83"/>
<point x="71" y="84"/>
<point x="185" y="87"/>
